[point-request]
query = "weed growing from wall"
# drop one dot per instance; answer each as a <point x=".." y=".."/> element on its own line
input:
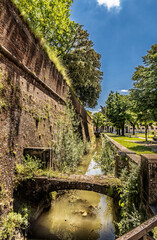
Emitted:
<point x="3" y="90"/>
<point x="68" y="146"/>
<point x="28" y="169"/>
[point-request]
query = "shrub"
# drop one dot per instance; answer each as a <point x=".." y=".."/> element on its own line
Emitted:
<point x="28" y="169"/>
<point x="131" y="208"/>
<point x="68" y="146"/>
<point x="12" y="223"/>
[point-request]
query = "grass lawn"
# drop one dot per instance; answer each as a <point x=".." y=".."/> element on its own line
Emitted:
<point x="143" y="135"/>
<point x="138" y="147"/>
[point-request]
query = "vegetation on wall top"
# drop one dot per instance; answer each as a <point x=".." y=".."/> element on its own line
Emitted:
<point x="65" y="41"/>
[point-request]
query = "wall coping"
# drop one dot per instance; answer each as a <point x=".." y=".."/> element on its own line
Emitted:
<point x="123" y="151"/>
<point x="141" y="230"/>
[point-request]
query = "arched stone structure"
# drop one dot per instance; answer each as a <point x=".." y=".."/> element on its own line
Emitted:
<point x="38" y="187"/>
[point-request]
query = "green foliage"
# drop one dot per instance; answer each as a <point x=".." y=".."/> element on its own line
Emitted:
<point x="106" y="157"/>
<point x="131" y="210"/>
<point x="133" y="144"/>
<point x="144" y="92"/>
<point x="12" y="223"/>
<point x="3" y="98"/>
<point x="28" y="169"/>
<point x="68" y="146"/>
<point x="50" y="19"/>
<point x="116" y="106"/>
<point x="129" y="221"/>
<point x="61" y="37"/>
<point x="83" y="63"/>
<point x="98" y="120"/>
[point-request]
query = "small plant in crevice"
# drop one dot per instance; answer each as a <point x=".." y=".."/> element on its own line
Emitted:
<point x="106" y="159"/>
<point x="3" y="98"/>
<point x="132" y="211"/>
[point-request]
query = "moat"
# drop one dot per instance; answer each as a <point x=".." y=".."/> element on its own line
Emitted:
<point x="77" y="214"/>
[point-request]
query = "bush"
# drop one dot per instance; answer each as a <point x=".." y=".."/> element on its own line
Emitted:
<point x="131" y="209"/>
<point x="12" y="223"/>
<point x="28" y="169"/>
<point x="68" y="146"/>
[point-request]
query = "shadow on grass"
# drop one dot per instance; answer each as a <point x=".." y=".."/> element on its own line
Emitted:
<point x="141" y="149"/>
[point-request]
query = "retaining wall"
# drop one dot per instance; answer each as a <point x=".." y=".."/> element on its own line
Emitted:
<point x="32" y="94"/>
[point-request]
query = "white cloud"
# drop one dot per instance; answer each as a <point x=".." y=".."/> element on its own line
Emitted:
<point x="95" y="111"/>
<point x="124" y="91"/>
<point x="109" y="3"/>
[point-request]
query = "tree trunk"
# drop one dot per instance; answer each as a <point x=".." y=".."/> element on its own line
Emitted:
<point x="119" y="132"/>
<point x="123" y="129"/>
<point x="146" y="132"/>
<point x="133" y="129"/>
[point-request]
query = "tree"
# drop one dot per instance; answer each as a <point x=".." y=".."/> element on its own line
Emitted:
<point x="131" y="115"/>
<point x="83" y="64"/>
<point x="144" y="91"/>
<point x="116" y="106"/>
<point x="132" y="118"/>
<point x="98" y="120"/>
<point x="50" y="19"/>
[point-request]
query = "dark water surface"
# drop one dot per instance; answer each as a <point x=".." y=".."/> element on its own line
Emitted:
<point x="78" y="215"/>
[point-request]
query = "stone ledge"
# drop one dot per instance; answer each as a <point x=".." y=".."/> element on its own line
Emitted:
<point x="121" y="148"/>
<point x="141" y="231"/>
<point x="123" y="151"/>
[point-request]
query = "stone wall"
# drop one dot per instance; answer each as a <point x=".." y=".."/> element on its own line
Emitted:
<point x="149" y="178"/>
<point x="32" y="93"/>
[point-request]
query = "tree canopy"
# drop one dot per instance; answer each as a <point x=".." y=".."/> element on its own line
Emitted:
<point x="115" y="110"/>
<point x="83" y="63"/>
<point x="98" y="120"/>
<point x="50" y="19"/>
<point x="144" y="91"/>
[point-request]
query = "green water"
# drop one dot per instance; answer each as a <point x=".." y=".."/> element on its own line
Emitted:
<point x="78" y="215"/>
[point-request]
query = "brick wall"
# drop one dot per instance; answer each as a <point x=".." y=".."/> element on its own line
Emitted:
<point x="33" y="91"/>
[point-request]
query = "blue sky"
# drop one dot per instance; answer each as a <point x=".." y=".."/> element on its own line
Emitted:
<point x="122" y="32"/>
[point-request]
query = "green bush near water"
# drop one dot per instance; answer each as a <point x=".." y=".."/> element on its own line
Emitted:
<point x="12" y="223"/>
<point x="132" y="211"/>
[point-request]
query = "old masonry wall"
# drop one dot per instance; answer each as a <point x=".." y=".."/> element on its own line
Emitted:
<point x="32" y="93"/>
